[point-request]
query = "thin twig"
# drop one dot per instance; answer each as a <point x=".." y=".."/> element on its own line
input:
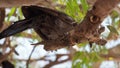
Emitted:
<point x="40" y="59"/>
<point x="52" y="63"/>
<point x="27" y="63"/>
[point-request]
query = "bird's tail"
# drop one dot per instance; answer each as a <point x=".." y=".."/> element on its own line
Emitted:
<point x="17" y="27"/>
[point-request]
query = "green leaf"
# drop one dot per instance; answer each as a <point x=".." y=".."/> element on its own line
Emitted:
<point x="11" y="13"/>
<point x="82" y="44"/>
<point x="20" y="13"/>
<point x="72" y="9"/>
<point x="84" y="5"/>
<point x="113" y="29"/>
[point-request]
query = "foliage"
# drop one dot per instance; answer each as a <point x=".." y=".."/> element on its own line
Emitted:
<point x="73" y="8"/>
<point x="85" y="59"/>
<point x="11" y="13"/>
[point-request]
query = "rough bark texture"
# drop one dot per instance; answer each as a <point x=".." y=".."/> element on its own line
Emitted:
<point x="2" y="16"/>
<point x="88" y="29"/>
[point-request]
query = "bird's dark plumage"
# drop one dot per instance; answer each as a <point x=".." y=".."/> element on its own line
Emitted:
<point x="49" y="24"/>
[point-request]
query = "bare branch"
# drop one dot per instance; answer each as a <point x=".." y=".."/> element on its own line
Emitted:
<point x="2" y="16"/>
<point x="27" y="64"/>
<point x="57" y="62"/>
<point x="15" y="3"/>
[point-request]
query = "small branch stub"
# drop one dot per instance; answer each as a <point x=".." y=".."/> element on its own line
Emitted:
<point x="94" y="19"/>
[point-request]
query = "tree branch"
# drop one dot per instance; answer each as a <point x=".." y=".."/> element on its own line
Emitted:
<point x="2" y="16"/>
<point x="27" y="63"/>
<point x="88" y="29"/>
<point x="15" y="3"/>
<point x="57" y="62"/>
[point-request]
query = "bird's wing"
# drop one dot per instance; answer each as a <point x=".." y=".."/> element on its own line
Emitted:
<point x="32" y="11"/>
<point x="50" y="24"/>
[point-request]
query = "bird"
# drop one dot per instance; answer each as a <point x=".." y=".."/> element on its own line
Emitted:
<point x="49" y="24"/>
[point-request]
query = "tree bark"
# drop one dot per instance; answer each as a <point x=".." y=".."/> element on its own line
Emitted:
<point x="16" y="3"/>
<point x="88" y="29"/>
